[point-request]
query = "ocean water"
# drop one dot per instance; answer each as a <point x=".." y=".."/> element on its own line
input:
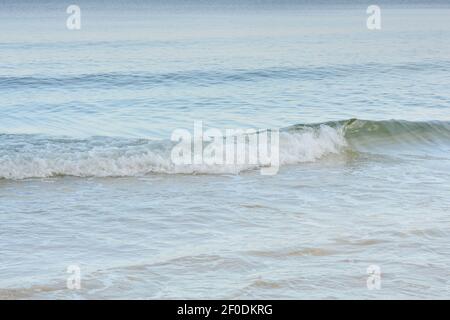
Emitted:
<point x="86" y="177"/>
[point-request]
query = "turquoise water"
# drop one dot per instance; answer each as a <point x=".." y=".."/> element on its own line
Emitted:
<point x="86" y="177"/>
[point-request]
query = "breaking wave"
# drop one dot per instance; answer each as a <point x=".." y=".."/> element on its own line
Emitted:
<point x="36" y="156"/>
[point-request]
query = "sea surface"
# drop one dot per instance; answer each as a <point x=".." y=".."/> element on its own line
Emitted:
<point x="86" y="178"/>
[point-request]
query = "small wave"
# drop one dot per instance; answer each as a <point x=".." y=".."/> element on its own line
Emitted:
<point x="35" y="156"/>
<point x="319" y="252"/>
<point x="207" y="77"/>
<point x="366" y="133"/>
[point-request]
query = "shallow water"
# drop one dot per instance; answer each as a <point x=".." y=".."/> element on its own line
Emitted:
<point x="86" y="177"/>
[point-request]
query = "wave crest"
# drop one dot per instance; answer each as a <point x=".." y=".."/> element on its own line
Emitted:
<point x="34" y="156"/>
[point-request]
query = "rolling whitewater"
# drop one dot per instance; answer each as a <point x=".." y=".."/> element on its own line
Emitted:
<point x="38" y="156"/>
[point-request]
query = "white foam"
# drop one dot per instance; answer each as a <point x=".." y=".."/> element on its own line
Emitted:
<point x="111" y="160"/>
<point x="311" y="144"/>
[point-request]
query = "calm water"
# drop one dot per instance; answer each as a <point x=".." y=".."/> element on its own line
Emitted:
<point x="86" y="177"/>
